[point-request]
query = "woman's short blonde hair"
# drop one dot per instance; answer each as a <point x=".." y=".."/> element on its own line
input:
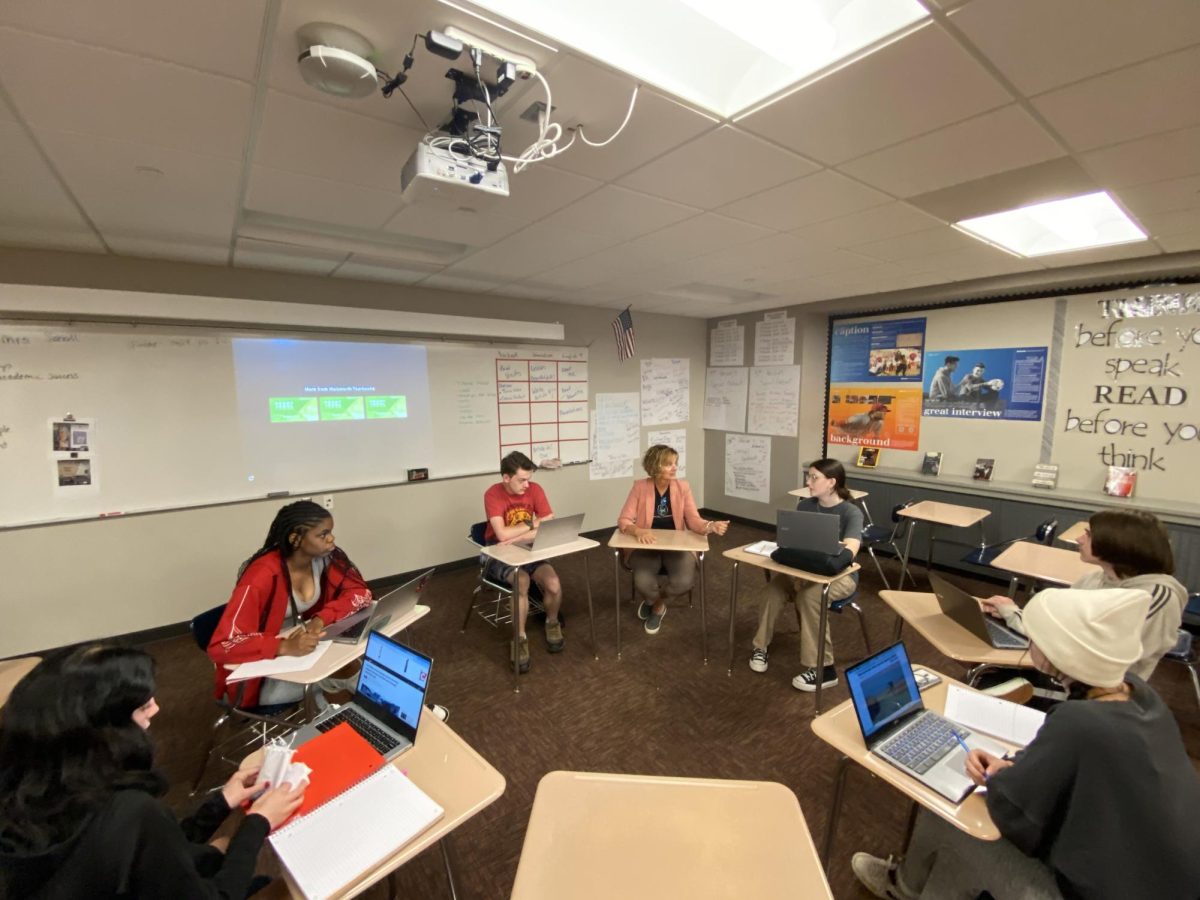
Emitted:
<point x="657" y="458"/>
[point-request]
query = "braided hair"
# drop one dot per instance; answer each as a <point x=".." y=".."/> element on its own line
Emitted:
<point x="293" y="521"/>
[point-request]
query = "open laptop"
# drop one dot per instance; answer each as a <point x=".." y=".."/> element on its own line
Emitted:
<point x="552" y="532"/>
<point x="393" y="605"/>
<point x="801" y="530"/>
<point x="966" y="611"/>
<point x="896" y="725"/>
<point x="388" y="700"/>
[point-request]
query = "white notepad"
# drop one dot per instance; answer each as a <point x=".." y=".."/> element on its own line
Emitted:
<point x="762" y="548"/>
<point x="339" y="840"/>
<point x="993" y="715"/>
<point x="280" y="665"/>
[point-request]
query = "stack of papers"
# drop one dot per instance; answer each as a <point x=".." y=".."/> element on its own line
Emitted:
<point x="280" y="665"/>
<point x="992" y="715"/>
<point x="763" y="548"/>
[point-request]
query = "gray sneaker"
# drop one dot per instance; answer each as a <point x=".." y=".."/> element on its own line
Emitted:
<point x="879" y="876"/>
<point x="654" y="622"/>
<point x="645" y="610"/>
<point x="554" y="636"/>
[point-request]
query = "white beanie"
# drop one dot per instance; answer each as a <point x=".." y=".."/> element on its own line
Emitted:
<point x="1092" y="636"/>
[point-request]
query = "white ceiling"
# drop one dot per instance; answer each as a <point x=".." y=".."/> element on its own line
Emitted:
<point x="151" y="129"/>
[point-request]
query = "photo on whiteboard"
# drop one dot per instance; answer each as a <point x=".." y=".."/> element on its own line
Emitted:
<point x="74" y="472"/>
<point x="61" y="436"/>
<point x="995" y="383"/>
<point x="890" y="350"/>
<point x="888" y="418"/>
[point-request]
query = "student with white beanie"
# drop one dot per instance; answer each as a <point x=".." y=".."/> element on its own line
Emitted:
<point x="1101" y="804"/>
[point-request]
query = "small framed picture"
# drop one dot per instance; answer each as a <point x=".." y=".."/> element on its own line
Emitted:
<point x="868" y="457"/>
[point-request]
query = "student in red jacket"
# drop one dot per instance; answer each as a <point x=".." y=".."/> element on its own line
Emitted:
<point x="661" y="501"/>
<point x="299" y="576"/>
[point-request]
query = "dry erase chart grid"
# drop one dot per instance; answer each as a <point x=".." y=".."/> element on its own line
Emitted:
<point x="542" y="408"/>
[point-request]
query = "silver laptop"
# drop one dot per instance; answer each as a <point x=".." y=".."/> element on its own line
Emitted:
<point x="552" y="532"/>
<point x="388" y="700"/>
<point x="966" y="611"/>
<point x="897" y="727"/>
<point x="393" y="605"/>
<point x="801" y="530"/>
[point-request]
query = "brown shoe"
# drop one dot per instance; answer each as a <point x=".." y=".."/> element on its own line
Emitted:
<point x="554" y="636"/>
<point x="522" y="655"/>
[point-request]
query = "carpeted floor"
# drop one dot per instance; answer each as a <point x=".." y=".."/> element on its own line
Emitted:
<point x="657" y="711"/>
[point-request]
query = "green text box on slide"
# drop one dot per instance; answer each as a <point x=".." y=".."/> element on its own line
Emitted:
<point x="387" y="407"/>
<point x="293" y="409"/>
<point x="336" y="408"/>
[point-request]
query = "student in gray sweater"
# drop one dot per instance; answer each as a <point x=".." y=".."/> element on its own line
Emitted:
<point x="1101" y="804"/>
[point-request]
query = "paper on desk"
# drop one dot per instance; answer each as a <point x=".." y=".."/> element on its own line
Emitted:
<point x="992" y="715"/>
<point x="280" y="665"/>
<point x="763" y="548"/>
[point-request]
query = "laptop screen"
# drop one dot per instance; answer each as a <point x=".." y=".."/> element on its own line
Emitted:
<point x="394" y="678"/>
<point x="883" y="689"/>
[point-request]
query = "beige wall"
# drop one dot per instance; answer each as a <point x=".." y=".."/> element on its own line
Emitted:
<point x="90" y="579"/>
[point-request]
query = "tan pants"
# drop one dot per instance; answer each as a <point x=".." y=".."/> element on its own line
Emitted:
<point x="785" y="589"/>
<point x="647" y="566"/>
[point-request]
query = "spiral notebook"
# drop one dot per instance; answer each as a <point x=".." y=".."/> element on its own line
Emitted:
<point x="333" y="845"/>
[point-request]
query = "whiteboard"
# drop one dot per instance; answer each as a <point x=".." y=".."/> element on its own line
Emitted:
<point x="100" y="419"/>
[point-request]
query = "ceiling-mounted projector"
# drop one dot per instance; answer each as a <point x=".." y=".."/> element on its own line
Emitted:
<point x="441" y="178"/>
<point x="333" y="59"/>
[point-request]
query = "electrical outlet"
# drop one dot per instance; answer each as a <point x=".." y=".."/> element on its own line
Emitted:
<point x="327" y="501"/>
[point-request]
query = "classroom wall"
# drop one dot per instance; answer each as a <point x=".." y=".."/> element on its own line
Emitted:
<point x="84" y="580"/>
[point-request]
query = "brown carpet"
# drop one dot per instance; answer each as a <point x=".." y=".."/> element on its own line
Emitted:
<point x="658" y="711"/>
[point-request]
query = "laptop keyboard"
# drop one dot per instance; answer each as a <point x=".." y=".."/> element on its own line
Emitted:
<point x="920" y="746"/>
<point x="372" y="733"/>
<point x="1002" y="637"/>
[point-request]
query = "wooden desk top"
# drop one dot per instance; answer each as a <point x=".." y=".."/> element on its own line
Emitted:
<point x="664" y="539"/>
<point x="1053" y="564"/>
<point x="639" y="837"/>
<point x="446" y="768"/>
<point x="339" y="654"/>
<point x="740" y="554"/>
<point x="839" y="728"/>
<point x="1071" y="535"/>
<point x="12" y="671"/>
<point x="922" y="613"/>
<point x="944" y="513"/>
<point x="520" y="555"/>
<point x="803" y="492"/>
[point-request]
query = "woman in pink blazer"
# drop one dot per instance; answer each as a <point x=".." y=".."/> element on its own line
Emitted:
<point x="661" y="501"/>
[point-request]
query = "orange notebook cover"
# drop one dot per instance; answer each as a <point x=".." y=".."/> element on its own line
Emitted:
<point x="340" y="758"/>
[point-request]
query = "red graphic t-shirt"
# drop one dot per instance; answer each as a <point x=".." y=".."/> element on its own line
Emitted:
<point x="513" y="509"/>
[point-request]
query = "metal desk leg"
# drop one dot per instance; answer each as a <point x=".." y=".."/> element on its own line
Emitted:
<point x="823" y="624"/>
<point x="703" y="614"/>
<point x="839" y="786"/>
<point x="732" y="611"/>
<point x="929" y="550"/>
<point x="515" y="600"/>
<point x="310" y="702"/>
<point x="587" y="578"/>
<point x="617" y="594"/>
<point x="907" y="550"/>
<point x="449" y="866"/>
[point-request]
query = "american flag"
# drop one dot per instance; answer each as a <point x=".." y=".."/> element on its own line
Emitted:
<point x="623" y="331"/>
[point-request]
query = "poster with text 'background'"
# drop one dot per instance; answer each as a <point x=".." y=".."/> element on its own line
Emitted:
<point x="997" y="383"/>
<point x="891" y="350"/>
<point x="875" y="416"/>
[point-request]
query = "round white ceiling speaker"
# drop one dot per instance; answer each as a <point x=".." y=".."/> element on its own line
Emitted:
<point x="333" y="60"/>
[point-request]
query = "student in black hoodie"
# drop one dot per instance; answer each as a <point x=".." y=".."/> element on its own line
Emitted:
<point x="79" y="808"/>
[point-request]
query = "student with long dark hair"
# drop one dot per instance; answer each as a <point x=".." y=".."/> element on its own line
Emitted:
<point x="80" y="814"/>
<point x="1133" y="550"/>
<point x="826" y="481"/>
<point x="298" y="577"/>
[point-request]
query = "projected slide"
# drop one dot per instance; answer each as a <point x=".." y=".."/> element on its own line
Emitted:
<point x="327" y="413"/>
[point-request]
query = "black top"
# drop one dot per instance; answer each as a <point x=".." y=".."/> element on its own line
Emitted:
<point x="662" y="510"/>
<point x="133" y="847"/>
<point x="1107" y="797"/>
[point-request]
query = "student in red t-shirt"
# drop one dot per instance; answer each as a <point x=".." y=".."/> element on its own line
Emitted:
<point x="514" y="509"/>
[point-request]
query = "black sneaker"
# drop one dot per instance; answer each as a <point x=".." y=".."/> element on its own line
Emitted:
<point x="758" y="660"/>
<point x="807" y="680"/>
<point x="645" y="610"/>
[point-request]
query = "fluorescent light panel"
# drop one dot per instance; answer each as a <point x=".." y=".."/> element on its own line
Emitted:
<point x="1058" y="226"/>
<point x="720" y="55"/>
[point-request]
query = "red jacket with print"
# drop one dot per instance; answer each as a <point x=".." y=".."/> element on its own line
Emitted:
<point x="249" y="627"/>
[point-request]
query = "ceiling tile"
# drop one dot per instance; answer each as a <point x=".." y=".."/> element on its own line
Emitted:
<point x="1179" y="221"/>
<point x="49" y="237"/>
<point x="717" y="168"/>
<point x="366" y="268"/>
<point x="536" y="249"/>
<point x="135" y="99"/>
<point x="1156" y="158"/>
<point x="875" y="223"/>
<point x="185" y="249"/>
<point x="1050" y="180"/>
<point x="31" y="195"/>
<point x="1159" y="95"/>
<point x="697" y="236"/>
<point x="1179" y="243"/>
<point x="997" y="141"/>
<point x="1133" y="250"/>
<point x="328" y="142"/>
<point x="814" y="198"/>
<point x="444" y="282"/>
<point x="916" y="84"/>
<point x="254" y="254"/>
<point x="918" y="243"/>
<point x="475" y="229"/>
<point x="541" y="189"/>
<point x="318" y="199"/>
<point x="620" y="212"/>
<point x="599" y="267"/>
<point x="1162" y="196"/>
<point x="1040" y="45"/>
<point x="216" y="36"/>
<point x="123" y="202"/>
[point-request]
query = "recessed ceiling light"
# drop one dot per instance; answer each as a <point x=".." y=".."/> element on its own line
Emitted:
<point x="1058" y="226"/>
<point x="725" y="57"/>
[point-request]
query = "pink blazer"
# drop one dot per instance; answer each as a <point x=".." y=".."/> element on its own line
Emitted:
<point x="639" y="506"/>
